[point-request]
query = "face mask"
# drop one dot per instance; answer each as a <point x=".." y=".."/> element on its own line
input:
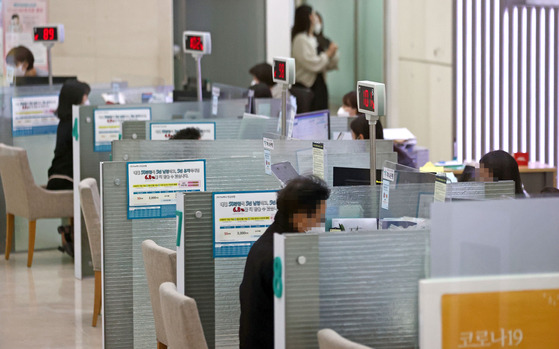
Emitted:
<point x="317" y="28"/>
<point x="342" y="112"/>
<point x="253" y="82"/>
<point x="86" y="102"/>
<point x="19" y="71"/>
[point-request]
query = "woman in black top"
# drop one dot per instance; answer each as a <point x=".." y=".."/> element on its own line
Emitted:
<point x="73" y="92"/>
<point x="301" y="206"/>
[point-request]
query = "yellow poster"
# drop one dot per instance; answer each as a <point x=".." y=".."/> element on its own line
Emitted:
<point x="514" y="319"/>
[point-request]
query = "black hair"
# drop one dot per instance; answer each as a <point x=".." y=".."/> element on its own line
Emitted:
<point x="503" y="167"/>
<point x="188" y="133"/>
<point x="360" y="126"/>
<point x="350" y="99"/>
<point x="261" y="90"/>
<point x="550" y="191"/>
<point x="302" y="22"/>
<point x="15" y="15"/>
<point x="263" y="72"/>
<point x="468" y="174"/>
<point x="20" y="54"/>
<point x="71" y="93"/>
<point x="302" y="194"/>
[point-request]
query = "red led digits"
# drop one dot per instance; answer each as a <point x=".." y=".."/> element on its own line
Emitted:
<point x="196" y="43"/>
<point x="366" y="98"/>
<point x="282" y="70"/>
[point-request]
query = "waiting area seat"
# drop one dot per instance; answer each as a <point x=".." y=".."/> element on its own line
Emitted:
<point x="182" y="321"/>
<point x="90" y="202"/>
<point x="161" y="266"/>
<point x="26" y="199"/>
<point x="330" y="339"/>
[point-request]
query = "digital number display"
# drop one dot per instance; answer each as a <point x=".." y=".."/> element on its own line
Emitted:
<point x="367" y="98"/>
<point x="194" y="43"/>
<point x="279" y="70"/>
<point x="45" y="34"/>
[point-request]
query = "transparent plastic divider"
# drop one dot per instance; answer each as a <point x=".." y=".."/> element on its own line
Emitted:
<point x="406" y="196"/>
<point x="230" y="128"/>
<point x="366" y="284"/>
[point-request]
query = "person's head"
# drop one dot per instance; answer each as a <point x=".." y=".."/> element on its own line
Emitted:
<point x="15" y="19"/>
<point x="21" y="58"/>
<point x="262" y="73"/>
<point x="360" y="128"/>
<point x="349" y="103"/>
<point x="498" y="165"/>
<point x="302" y="204"/>
<point x="261" y="90"/>
<point x="549" y="191"/>
<point x="319" y="25"/>
<point x="304" y="22"/>
<point x="188" y="133"/>
<point x="73" y="92"/>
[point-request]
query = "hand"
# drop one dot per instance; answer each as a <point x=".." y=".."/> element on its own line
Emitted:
<point x="332" y="49"/>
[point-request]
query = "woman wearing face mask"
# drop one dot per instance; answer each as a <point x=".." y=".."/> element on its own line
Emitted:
<point x="309" y="64"/>
<point x="262" y="74"/>
<point x="73" y="92"/>
<point x="349" y="104"/>
<point x="323" y="41"/>
<point x="21" y="59"/>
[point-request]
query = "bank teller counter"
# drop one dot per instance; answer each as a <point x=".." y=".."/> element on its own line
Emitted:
<point x="231" y="165"/>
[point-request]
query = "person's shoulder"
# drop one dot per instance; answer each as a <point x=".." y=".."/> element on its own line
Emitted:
<point x="301" y="38"/>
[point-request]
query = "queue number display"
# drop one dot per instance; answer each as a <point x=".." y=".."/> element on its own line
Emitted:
<point x="279" y="70"/>
<point x="198" y="43"/>
<point x="367" y="98"/>
<point x="284" y="70"/>
<point x="53" y="33"/>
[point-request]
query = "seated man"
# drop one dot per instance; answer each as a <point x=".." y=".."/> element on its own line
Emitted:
<point x="301" y="206"/>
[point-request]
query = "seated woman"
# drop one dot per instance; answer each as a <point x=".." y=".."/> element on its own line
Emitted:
<point x="22" y="60"/>
<point x="360" y="130"/>
<point x="73" y="92"/>
<point x="498" y="165"/>
<point x="349" y="105"/>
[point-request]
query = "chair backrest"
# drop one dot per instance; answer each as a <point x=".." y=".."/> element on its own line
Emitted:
<point x="182" y="321"/>
<point x="330" y="339"/>
<point x="17" y="180"/>
<point x="91" y="207"/>
<point x="161" y="266"/>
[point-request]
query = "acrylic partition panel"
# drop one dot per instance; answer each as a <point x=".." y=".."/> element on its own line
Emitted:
<point x="224" y="128"/>
<point x="363" y="285"/>
<point x="214" y="283"/>
<point x="87" y="163"/>
<point x="494" y="238"/>
<point x="127" y="311"/>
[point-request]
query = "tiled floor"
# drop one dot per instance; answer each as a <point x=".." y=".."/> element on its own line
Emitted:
<point x="45" y="306"/>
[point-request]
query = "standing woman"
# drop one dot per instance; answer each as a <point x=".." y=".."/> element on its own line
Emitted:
<point x="310" y="66"/>
<point x="73" y="92"/>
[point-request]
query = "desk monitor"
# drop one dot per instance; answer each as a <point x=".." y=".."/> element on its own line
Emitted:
<point x="312" y="126"/>
<point x="190" y="95"/>
<point x="267" y="106"/>
<point x="349" y="176"/>
<point x="41" y="80"/>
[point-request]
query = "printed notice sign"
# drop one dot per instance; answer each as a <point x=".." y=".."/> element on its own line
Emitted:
<point x="318" y="159"/>
<point x="165" y="131"/>
<point x="152" y="186"/>
<point x="526" y="319"/>
<point x="240" y="219"/>
<point x="34" y="115"/>
<point x="108" y="124"/>
<point x="440" y="188"/>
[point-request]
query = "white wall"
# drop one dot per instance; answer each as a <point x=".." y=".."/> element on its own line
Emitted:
<point x="279" y="19"/>
<point x="419" y="55"/>
<point x="107" y="39"/>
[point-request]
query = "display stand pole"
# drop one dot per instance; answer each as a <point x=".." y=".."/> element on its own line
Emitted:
<point x="198" y="59"/>
<point x="373" y="150"/>
<point x="49" y="61"/>
<point x="284" y="110"/>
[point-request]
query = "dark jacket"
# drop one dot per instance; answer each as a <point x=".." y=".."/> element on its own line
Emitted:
<point x="62" y="164"/>
<point x="257" y="295"/>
